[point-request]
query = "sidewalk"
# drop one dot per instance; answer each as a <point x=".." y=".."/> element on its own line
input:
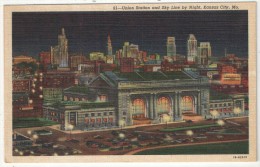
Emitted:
<point x="56" y="127"/>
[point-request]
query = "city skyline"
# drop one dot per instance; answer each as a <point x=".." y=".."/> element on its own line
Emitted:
<point x="88" y="31"/>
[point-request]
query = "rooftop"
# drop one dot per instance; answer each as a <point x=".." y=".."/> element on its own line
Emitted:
<point x="146" y="76"/>
<point x="83" y="105"/>
<point x="78" y="89"/>
<point x="214" y="95"/>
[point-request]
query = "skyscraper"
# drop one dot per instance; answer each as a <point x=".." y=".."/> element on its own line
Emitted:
<point x="109" y="46"/>
<point x="204" y="53"/>
<point x="59" y="53"/>
<point x="130" y="50"/>
<point x="171" y="47"/>
<point x="126" y="50"/>
<point x="192" y="48"/>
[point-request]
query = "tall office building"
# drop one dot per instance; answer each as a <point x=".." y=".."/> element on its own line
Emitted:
<point x="192" y="48"/>
<point x="134" y="51"/>
<point x="126" y="50"/>
<point x="204" y="53"/>
<point x="171" y="46"/>
<point x="59" y="53"/>
<point x="109" y="46"/>
<point x="130" y="50"/>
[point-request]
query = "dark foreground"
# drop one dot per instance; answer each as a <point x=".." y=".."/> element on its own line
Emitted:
<point x="136" y="139"/>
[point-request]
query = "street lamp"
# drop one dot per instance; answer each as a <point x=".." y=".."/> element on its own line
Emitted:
<point x="237" y="111"/>
<point x="35" y="137"/>
<point x="189" y="132"/>
<point x="30" y="101"/>
<point x="166" y="119"/>
<point x="220" y="122"/>
<point x="214" y="113"/>
<point x="70" y="127"/>
<point x="122" y="123"/>
<point x="29" y="132"/>
<point x="121" y="135"/>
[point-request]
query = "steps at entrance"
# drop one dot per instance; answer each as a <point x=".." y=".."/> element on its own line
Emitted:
<point x="141" y="121"/>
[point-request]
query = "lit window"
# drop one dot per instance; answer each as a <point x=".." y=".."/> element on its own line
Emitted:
<point x="187" y="104"/>
<point x="139" y="106"/>
<point x="163" y="104"/>
<point x="103" y="98"/>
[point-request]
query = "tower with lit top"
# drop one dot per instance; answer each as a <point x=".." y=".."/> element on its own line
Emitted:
<point x="109" y="46"/>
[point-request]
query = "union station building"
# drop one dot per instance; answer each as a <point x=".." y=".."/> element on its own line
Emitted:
<point x="123" y="99"/>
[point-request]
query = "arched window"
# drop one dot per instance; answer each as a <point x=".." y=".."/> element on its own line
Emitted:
<point x="139" y="106"/>
<point x="187" y="104"/>
<point x="102" y="98"/>
<point x="163" y="104"/>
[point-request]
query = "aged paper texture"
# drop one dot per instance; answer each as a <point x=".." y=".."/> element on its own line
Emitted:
<point x="166" y="82"/>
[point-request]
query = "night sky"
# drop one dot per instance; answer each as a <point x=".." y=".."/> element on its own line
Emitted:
<point x="87" y="31"/>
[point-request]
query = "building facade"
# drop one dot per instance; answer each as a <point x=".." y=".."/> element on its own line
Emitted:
<point x="192" y="48"/>
<point x="59" y="53"/>
<point x="81" y="117"/>
<point x="204" y="53"/>
<point x="45" y="58"/>
<point x="171" y="46"/>
<point x="109" y="46"/>
<point x="75" y="61"/>
<point x="138" y="98"/>
<point x="227" y="107"/>
<point x="127" y="65"/>
<point x="97" y="56"/>
<point x="22" y="85"/>
<point x="26" y="59"/>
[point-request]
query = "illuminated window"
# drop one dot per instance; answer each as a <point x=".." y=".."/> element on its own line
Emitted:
<point x="163" y="104"/>
<point x="138" y="106"/>
<point x="103" y="98"/>
<point x="187" y="104"/>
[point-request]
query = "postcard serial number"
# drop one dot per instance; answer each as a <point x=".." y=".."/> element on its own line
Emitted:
<point x="240" y="157"/>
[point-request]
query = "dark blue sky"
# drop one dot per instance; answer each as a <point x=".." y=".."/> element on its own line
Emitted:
<point x="87" y="31"/>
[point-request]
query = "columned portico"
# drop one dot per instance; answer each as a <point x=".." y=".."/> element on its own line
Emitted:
<point x="142" y="99"/>
<point x="154" y="105"/>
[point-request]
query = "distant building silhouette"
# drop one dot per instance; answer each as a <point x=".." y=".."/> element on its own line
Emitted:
<point x="109" y="46"/>
<point x="204" y="53"/>
<point x="171" y="46"/>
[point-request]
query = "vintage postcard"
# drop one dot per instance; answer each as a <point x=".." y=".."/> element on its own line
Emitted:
<point x="172" y="82"/>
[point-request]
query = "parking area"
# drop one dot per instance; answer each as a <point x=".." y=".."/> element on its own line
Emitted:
<point x="49" y="141"/>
